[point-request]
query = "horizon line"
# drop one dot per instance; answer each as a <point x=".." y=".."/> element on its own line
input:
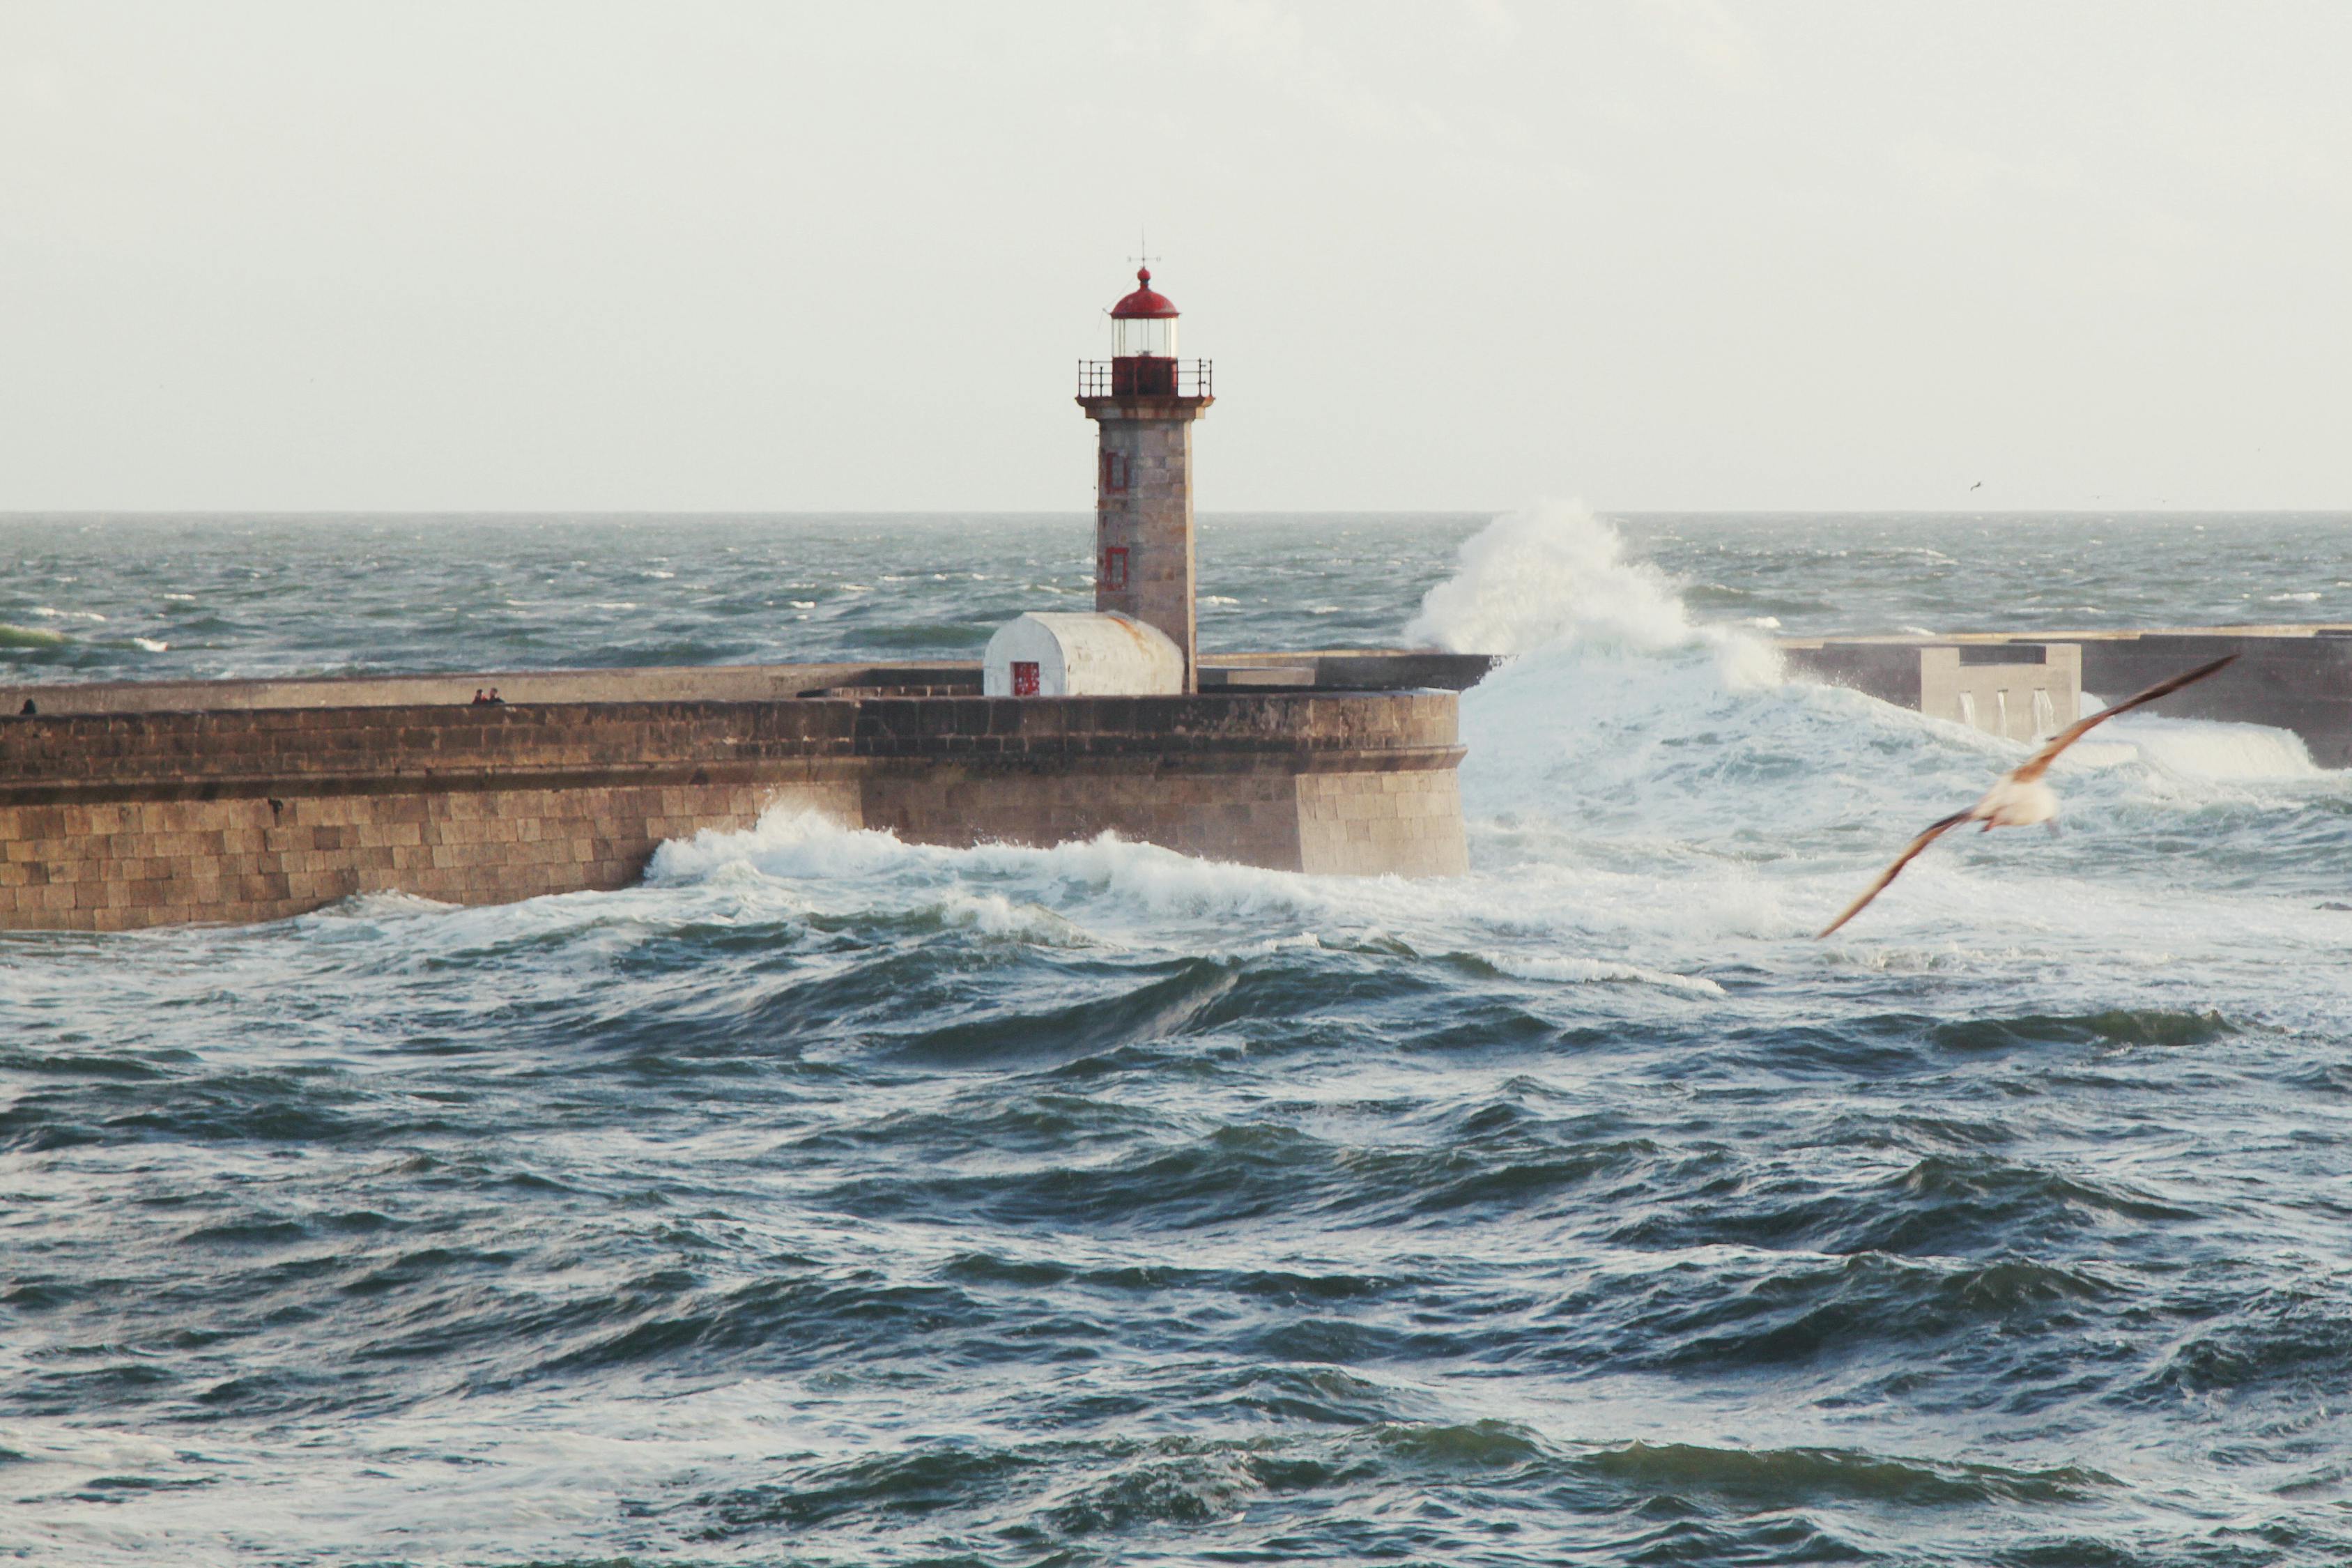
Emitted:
<point x="104" y="514"/>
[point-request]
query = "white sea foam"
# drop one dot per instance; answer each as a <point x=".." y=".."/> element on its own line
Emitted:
<point x="787" y="841"/>
<point x="806" y="848"/>
<point x="1550" y="573"/>
<point x="380" y="906"/>
<point x="1640" y="800"/>
<point x="2202" y="748"/>
<point x="1595" y="972"/>
<point x="995" y="915"/>
<point x="1555" y="575"/>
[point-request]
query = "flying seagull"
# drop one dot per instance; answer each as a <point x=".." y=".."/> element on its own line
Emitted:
<point x="2020" y="799"/>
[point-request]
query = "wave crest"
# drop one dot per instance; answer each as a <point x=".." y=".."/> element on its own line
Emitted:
<point x="1556" y="574"/>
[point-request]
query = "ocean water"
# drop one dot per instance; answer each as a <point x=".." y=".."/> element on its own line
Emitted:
<point x="828" y="1200"/>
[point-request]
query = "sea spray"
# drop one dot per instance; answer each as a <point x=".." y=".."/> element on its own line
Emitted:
<point x="1608" y="677"/>
<point x="2203" y="748"/>
<point x="1554" y="573"/>
<point x="1550" y="573"/>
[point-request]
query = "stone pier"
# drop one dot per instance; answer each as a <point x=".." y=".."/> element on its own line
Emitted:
<point x="264" y="802"/>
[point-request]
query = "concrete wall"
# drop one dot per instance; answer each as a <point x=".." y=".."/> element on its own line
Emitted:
<point x="1888" y="671"/>
<point x="1990" y="688"/>
<point x="1363" y="669"/>
<point x="1143" y="507"/>
<point x="110" y="821"/>
<point x="2296" y="677"/>
<point x="2290" y="676"/>
<point x="2025" y="692"/>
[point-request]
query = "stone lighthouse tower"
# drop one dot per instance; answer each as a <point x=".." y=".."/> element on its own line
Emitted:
<point x="1143" y="403"/>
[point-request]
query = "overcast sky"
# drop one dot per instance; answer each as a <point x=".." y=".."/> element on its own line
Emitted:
<point x="556" y="254"/>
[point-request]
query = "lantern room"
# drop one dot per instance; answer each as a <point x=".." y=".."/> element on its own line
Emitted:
<point x="1143" y="343"/>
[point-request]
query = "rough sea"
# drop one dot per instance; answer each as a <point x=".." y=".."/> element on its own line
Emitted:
<point x="830" y="1200"/>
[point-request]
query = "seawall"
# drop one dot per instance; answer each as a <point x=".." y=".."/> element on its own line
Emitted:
<point x="2292" y="676"/>
<point x="125" y="816"/>
<point x="1343" y="669"/>
<point x="2296" y="677"/>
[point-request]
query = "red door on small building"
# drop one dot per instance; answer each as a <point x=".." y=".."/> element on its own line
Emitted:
<point x="1024" y="677"/>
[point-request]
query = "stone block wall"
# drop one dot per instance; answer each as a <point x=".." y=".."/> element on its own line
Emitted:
<point x="115" y="820"/>
<point x="114" y="866"/>
<point x="177" y="754"/>
<point x="1406" y="824"/>
<point x="1143" y="515"/>
<point x="1227" y="777"/>
<point x="1241" y="809"/>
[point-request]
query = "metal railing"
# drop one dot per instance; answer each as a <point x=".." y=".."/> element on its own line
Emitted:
<point x="1144" y="376"/>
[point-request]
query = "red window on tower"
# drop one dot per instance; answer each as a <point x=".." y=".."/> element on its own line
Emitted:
<point x="1024" y="677"/>
<point x="1114" y="473"/>
<point x="1113" y="576"/>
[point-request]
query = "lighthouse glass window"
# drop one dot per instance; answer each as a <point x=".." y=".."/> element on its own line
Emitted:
<point x="1133" y="335"/>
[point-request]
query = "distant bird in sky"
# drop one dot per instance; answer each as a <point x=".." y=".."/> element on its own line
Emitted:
<point x="2020" y="799"/>
<point x="1978" y="486"/>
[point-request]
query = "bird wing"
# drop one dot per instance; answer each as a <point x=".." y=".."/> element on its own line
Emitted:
<point x="1910" y="853"/>
<point x="2034" y="767"/>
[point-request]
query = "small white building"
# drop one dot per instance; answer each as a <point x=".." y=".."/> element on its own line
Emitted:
<point x="1081" y="655"/>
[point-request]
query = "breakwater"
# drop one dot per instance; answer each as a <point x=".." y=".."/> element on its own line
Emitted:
<point x="236" y="801"/>
<point x="2292" y="678"/>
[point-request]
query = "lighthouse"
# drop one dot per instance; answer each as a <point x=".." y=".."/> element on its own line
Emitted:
<point x="1143" y="401"/>
<point x="1138" y="640"/>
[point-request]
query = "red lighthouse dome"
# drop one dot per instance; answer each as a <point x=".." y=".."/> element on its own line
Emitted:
<point x="1143" y="304"/>
<point x="1143" y="327"/>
